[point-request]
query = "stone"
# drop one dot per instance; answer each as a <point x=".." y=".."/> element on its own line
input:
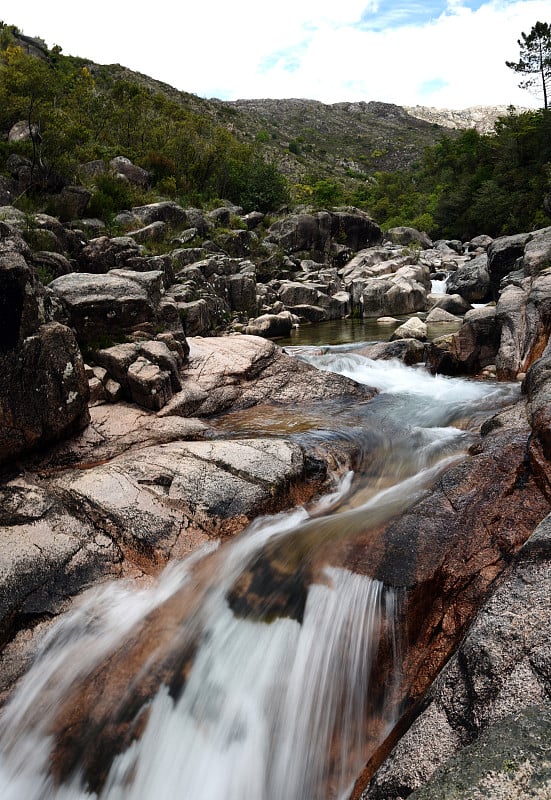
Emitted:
<point x="503" y="255"/>
<point x="149" y="385"/>
<point x="72" y="202"/>
<point x="410" y="351"/>
<point x="438" y="315"/>
<point x="271" y="326"/>
<point x="155" y="232"/>
<point x="414" y="328"/>
<point x="537" y="253"/>
<point x="121" y="165"/>
<point x="467" y="728"/>
<point x="452" y="303"/>
<point x="406" y="236"/>
<point x="403" y="292"/>
<point x="45" y="391"/>
<point x="468" y="351"/>
<point x="523" y="311"/>
<point x="481" y="242"/>
<point x="51" y="265"/>
<point x="111" y="305"/>
<point x="471" y="281"/>
<point x="103" y="253"/>
<point x="166" y="211"/>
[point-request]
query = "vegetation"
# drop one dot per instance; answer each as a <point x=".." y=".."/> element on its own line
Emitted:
<point x="494" y="184"/>
<point x="535" y="60"/>
<point x="75" y="112"/>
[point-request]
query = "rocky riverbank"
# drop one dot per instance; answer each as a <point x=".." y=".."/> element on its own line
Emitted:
<point x="111" y="464"/>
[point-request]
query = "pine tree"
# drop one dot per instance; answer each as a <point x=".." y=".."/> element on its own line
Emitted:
<point x="535" y="60"/>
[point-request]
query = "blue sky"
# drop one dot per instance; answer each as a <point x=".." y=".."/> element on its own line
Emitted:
<point x="443" y="53"/>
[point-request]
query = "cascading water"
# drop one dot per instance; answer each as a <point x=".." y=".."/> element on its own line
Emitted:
<point x="272" y="705"/>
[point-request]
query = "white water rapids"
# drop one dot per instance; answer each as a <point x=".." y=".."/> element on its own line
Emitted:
<point x="269" y="711"/>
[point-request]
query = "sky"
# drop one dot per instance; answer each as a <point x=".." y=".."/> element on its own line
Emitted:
<point x="441" y="53"/>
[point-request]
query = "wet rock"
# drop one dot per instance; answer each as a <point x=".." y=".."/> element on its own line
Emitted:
<point x="502" y="668"/>
<point x="241" y="371"/>
<point x="410" y="351"/>
<point x="468" y="351"/>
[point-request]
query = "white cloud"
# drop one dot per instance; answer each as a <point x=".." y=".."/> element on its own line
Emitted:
<point x="311" y="48"/>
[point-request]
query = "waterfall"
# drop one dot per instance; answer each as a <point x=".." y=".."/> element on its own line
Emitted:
<point x="285" y="706"/>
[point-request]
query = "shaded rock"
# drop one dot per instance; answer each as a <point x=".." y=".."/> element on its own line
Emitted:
<point x="468" y="351"/>
<point x="404" y="235"/>
<point x="452" y="303"/>
<point x="132" y="173"/>
<point x="195" y="317"/>
<point x="471" y="281"/>
<point x="155" y="232"/>
<point x="503" y="255"/>
<point x="110" y="305"/>
<point x="500" y="669"/>
<point x="271" y="326"/>
<point x="537" y="253"/>
<point x="524" y="313"/>
<point x="316" y="232"/>
<point x="148" y="384"/>
<point x="165" y="211"/>
<point x="72" y="201"/>
<point x="51" y="265"/>
<point x="103" y="254"/>
<point x="45" y="392"/>
<point x="410" y="351"/>
<point x="307" y="313"/>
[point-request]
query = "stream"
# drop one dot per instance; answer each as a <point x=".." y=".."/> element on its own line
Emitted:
<point x="276" y="699"/>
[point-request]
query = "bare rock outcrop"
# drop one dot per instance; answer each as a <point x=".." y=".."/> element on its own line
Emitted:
<point x="44" y="391"/>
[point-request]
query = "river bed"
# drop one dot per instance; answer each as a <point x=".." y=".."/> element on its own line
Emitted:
<point x="276" y="704"/>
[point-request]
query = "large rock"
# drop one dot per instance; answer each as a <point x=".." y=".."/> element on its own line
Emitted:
<point x="271" y="326"/>
<point x="524" y="314"/>
<point x="43" y="391"/>
<point x="537" y="253"/>
<point x="130" y="172"/>
<point x="235" y="372"/>
<point x="504" y="254"/>
<point x="112" y="305"/>
<point x="501" y="669"/>
<point x="471" y="281"/>
<point x="318" y="233"/>
<point x="103" y="253"/>
<point x="407" y="236"/>
<point x="468" y="351"/>
<point x="166" y="211"/>
<point x="403" y="292"/>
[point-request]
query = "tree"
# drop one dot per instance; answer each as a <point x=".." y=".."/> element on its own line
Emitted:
<point x="535" y="60"/>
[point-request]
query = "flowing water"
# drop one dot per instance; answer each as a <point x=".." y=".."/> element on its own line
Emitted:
<point x="276" y="705"/>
